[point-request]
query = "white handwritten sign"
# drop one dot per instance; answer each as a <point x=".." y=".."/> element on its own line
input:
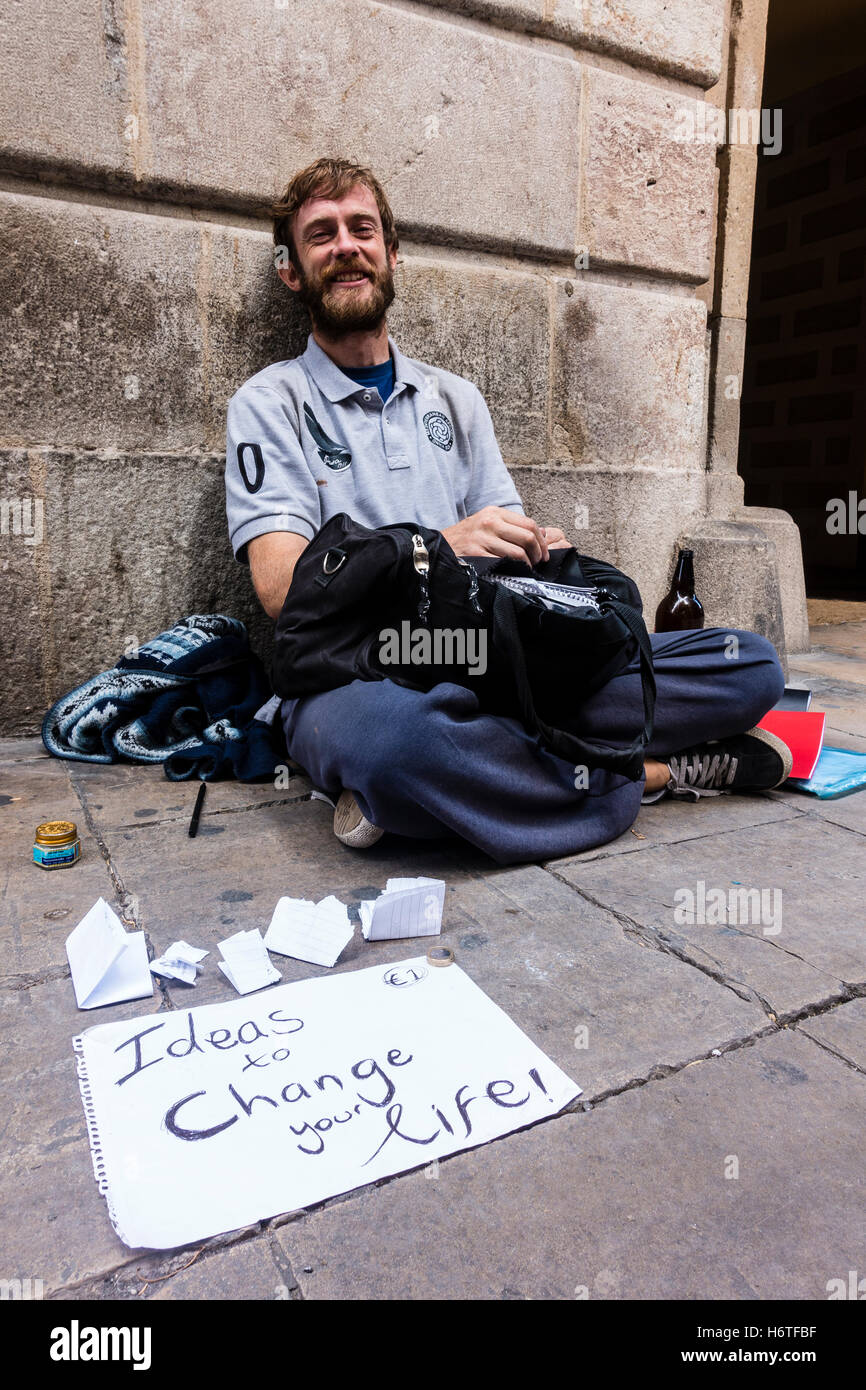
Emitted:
<point x="205" y="1120"/>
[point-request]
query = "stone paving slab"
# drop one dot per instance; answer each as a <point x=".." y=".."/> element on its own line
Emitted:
<point x="669" y="822"/>
<point x="543" y="953"/>
<point x="16" y="750"/>
<point x="246" y="1270"/>
<point x="840" y="697"/>
<point x="127" y="797"/>
<point x="605" y="1006"/>
<point x="55" y="1225"/>
<point x="849" y="811"/>
<point x="39" y="907"/>
<point x="231" y="876"/>
<point x="843" y="1030"/>
<point x="815" y="865"/>
<point x="629" y="1201"/>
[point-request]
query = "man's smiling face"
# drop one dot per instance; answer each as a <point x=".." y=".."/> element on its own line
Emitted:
<point x="344" y="271"/>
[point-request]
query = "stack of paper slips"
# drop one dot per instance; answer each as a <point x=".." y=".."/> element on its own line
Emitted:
<point x="245" y="962"/>
<point x="179" y="962"/>
<point x="408" y="907"/>
<point x="316" y="932"/>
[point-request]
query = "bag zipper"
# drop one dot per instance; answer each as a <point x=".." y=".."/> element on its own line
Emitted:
<point x="420" y="555"/>
<point x="421" y="561"/>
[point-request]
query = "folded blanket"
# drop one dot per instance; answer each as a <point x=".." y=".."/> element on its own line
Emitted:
<point x="187" y="699"/>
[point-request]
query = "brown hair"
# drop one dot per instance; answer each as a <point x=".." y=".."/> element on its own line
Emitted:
<point x="328" y="178"/>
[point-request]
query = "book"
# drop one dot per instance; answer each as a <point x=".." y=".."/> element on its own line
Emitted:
<point x="803" y="731"/>
<point x="795" y="697"/>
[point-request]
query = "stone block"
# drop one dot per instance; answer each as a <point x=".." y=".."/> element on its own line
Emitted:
<point x="725" y="390"/>
<point x="784" y="532"/>
<point x="132" y="543"/>
<point x="748" y="41"/>
<point x="809" y="960"/>
<point x="737" y="577"/>
<point x="681" y="37"/>
<point x="24" y="635"/>
<point x="63" y="74"/>
<point x="628" y="377"/>
<point x="124" y="796"/>
<point x="636" y="1200"/>
<point x="104" y="345"/>
<point x="428" y="104"/>
<point x="734" y="246"/>
<point x="672" y="821"/>
<point x="140" y="328"/>
<point x="41" y="906"/>
<point x="646" y="193"/>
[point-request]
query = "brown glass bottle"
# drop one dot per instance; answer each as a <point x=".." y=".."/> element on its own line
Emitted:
<point x="680" y="608"/>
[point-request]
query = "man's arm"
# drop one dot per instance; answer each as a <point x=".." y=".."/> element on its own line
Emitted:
<point x="272" y="559"/>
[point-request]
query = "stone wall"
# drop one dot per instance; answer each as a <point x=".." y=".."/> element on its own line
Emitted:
<point x="558" y="247"/>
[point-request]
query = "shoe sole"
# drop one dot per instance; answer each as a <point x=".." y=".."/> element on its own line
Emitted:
<point x="351" y="826"/>
<point x="779" y="746"/>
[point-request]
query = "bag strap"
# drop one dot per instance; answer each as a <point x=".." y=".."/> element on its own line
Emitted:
<point x="627" y="761"/>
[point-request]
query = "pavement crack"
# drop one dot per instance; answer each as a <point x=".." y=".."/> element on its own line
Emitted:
<point x="18" y="984"/>
<point x="667" y="945"/>
<point x="834" y="1052"/>
<point x="124" y="899"/>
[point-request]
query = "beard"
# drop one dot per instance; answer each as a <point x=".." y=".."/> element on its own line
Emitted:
<point x="339" y="312"/>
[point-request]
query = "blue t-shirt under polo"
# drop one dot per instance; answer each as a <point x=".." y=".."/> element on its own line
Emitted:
<point x="381" y="377"/>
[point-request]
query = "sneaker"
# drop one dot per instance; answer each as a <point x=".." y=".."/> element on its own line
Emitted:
<point x="351" y="825"/>
<point x="752" y="762"/>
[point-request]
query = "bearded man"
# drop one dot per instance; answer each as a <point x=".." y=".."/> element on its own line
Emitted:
<point x="353" y="425"/>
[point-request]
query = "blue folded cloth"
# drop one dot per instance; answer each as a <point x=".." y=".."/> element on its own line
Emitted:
<point x="838" y="772"/>
<point x="187" y="699"/>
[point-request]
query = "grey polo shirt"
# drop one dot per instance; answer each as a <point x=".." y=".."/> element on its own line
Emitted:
<point x="304" y="442"/>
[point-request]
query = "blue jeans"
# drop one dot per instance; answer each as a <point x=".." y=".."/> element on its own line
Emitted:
<point x="429" y="763"/>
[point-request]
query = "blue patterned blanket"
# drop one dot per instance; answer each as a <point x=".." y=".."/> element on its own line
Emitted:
<point x="186" y="699"/>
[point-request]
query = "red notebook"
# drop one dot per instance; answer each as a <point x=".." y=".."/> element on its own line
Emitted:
<point x="803" y="731"/>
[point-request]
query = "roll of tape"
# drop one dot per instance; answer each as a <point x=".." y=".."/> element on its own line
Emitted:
<point x="440" y="955"/>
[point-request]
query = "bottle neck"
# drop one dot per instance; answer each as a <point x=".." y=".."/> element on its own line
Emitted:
<point x="684" y="575"/>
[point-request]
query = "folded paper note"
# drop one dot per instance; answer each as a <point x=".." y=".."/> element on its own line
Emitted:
<point x="245" y="962"/>
<point x="408" y="907"/>
<point x="179" y="962"/>
<point x="316" y="932"/>
<point x="108" y="963"/>
<point x="357" y="1076"/>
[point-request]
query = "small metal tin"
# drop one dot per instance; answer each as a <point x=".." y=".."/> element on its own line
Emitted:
<point x="57" y="844"/>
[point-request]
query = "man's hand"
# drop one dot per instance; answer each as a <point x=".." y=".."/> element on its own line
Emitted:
<point x="556" y="539"/>
<point x="498" y="531"/>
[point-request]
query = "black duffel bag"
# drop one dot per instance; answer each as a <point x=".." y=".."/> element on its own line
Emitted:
<point x="397" y="602"/>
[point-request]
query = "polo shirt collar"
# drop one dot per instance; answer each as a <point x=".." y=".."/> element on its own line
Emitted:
<point x="336" y="386"/>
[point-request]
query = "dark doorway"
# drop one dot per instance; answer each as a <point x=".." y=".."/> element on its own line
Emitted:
<point x="803" y="421"/>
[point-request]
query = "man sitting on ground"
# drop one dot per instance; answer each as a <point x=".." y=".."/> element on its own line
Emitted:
<point x="352" y="425"/>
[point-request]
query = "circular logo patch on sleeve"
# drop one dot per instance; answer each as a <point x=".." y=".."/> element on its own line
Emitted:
<point x="438" y="428"/>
